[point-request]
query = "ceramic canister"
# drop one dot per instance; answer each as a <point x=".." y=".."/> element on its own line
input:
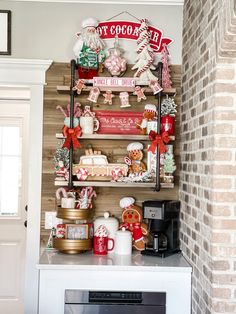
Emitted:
<point x="112" y="225"/>
<point x="123" y="242"/>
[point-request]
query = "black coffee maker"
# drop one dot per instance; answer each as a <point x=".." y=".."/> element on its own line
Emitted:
<point x="163" y="224"/>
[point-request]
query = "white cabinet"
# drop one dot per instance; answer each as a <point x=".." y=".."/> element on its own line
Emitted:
<point x="59" y="272"/>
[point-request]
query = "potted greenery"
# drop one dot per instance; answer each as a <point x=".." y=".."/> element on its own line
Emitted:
<point x="169" y="167"/>
<point x="168" y="111"/>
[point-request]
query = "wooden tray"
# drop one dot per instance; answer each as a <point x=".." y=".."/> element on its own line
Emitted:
<point x="74" y="214"/>
<point x="72" y="246"/>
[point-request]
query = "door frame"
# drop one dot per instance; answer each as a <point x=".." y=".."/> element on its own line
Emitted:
<point x="24" y="79"/>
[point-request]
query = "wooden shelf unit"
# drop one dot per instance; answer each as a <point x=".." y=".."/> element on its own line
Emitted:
<point x="115" y="184"/>
<point x="127" y="137"/>
<point x="108" y="198"/>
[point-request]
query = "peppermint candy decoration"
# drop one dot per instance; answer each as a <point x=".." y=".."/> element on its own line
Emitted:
<point x="128" y="161"/>
<point x="116" y="173"/>
<point x="101" y="232"/>
<point x="82" y="174"/>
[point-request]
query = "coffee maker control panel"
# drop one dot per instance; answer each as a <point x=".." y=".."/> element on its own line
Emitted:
<point x="153" y="213"/>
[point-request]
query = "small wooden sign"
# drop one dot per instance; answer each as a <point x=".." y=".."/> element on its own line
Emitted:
<point x="114" y="82"/>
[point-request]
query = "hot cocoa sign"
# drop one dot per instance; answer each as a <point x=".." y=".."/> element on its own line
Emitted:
<point x="129" y="30"/>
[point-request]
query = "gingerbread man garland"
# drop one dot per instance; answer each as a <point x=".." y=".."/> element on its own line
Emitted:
<point x="140" y="93"/>
<point x="79" y="86"/>
<point x="108" y="97"/>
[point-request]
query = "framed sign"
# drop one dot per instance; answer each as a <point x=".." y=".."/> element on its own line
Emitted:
<point x="5" y="32"/>
<point x="76" y="232"/>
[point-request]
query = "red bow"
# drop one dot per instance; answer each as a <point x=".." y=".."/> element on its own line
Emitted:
<point x="158" y="140"/>
<point x="71" y="137"/>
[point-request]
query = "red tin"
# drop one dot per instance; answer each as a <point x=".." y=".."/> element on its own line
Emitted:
<point x="168" y="124"/>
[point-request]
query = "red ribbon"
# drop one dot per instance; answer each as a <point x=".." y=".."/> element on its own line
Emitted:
<point x="158" y="140"/>
<point x="71" y="137"/>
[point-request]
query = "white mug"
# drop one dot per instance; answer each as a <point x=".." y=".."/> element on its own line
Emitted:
<point x="151" y="126"/>
<point x="67" y="202"/>
<point x="123" y="242"/>
<point x="89" y="125"/>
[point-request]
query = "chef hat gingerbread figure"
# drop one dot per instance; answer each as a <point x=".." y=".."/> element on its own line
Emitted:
<point x="149" y="114"/>
<point x="132" y="221"/>
<point x="89" y="49"/>
<point x="135" y="156"/>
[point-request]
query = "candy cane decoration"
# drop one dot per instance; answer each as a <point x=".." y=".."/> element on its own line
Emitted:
<point x="86" y="196"/>
<point x="61" y="192"/>
<point x="145" y="52"/>
<point x="68" y="110"/>
<point x="62" y="110"/>
<point x="93" y="194"/>
<point x="89" y="190"/>
<point x="84" y="201"/>
<point x="77" y="110"/>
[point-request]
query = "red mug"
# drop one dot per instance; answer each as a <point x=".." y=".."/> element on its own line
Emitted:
<point x="168" y="124"/>
<point x="100" y="245"/>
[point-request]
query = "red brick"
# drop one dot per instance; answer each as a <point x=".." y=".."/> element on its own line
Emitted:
<point x="221" y="237"/>
<point x="224" y="74"/>
<point x="221" y="293"/>
<point x="227" y="224"/>
<point x="223" y="101"/>
<point x="224" y="197"/>
<point x="220" y="265"/>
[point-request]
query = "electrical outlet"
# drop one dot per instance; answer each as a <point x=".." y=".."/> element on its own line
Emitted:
<point x="51" y="220"/>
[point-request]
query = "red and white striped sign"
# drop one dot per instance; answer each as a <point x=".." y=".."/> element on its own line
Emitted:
<point x="129" y="30"/>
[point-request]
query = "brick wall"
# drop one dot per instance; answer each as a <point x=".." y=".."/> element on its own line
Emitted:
<point x="208" y="153"/>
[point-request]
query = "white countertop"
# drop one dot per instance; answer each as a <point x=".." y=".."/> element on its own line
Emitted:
<point x="54" y="260"/>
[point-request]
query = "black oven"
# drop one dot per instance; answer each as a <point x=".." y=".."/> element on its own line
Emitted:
<point x="114" y="302"/>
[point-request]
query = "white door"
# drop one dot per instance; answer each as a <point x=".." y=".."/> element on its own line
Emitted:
<point x="14" y="120"/>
